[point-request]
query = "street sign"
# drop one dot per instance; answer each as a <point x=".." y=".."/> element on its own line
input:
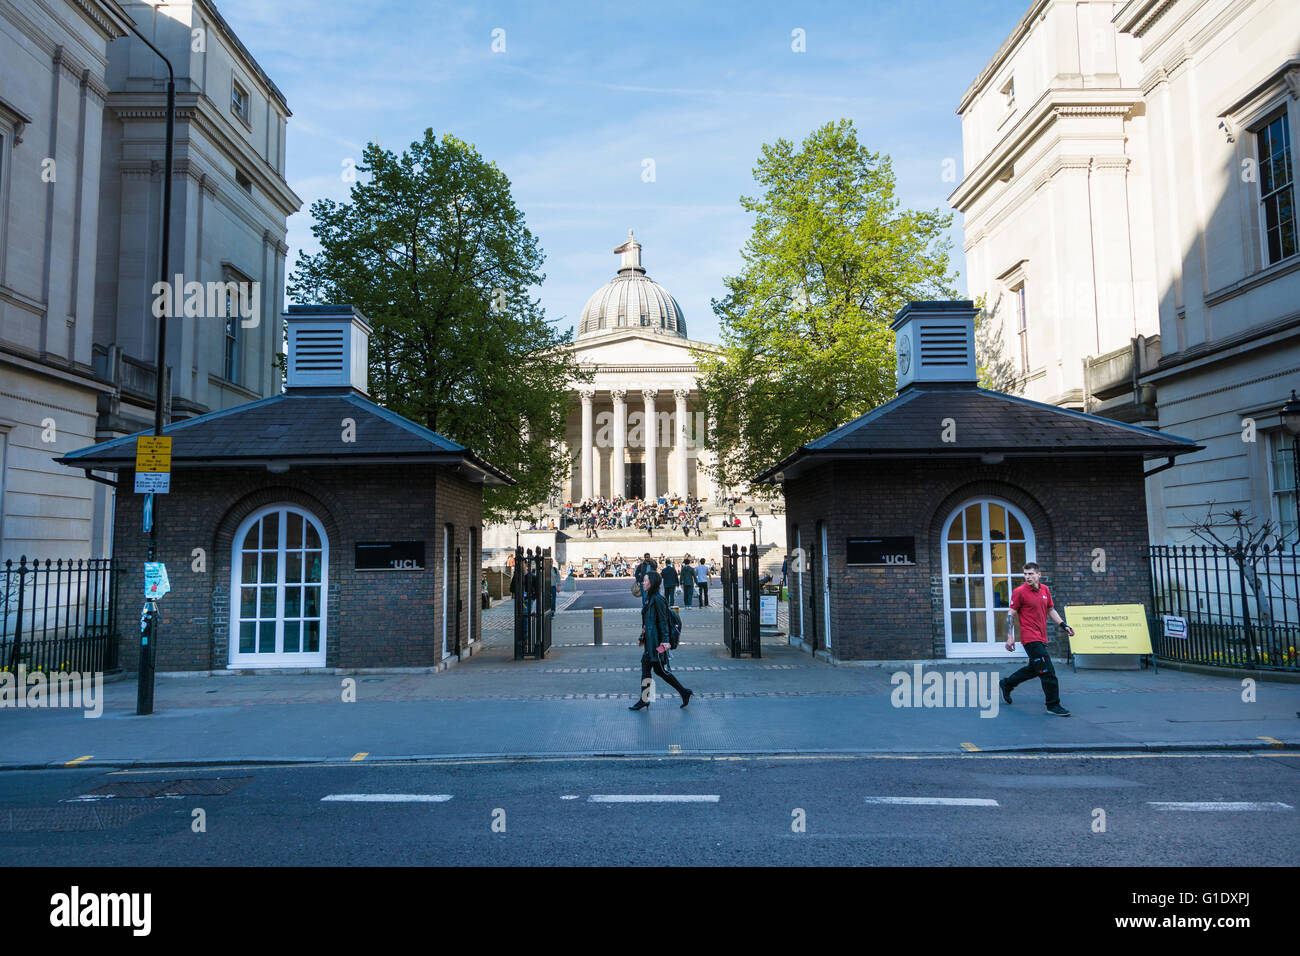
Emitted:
<point x="767" y="610"/>
<point x="155" y="580"/>
<point x="153" y="465"/>
<point x="1175" y="626"/>
<point x="153" y="482"/>
<point x="153" y="453"/>
<point x="1109" y="629"/>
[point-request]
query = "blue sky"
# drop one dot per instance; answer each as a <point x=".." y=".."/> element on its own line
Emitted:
<point x="584" y="93"/>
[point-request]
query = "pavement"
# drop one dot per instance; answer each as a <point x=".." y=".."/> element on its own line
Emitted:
<point x="574" y="703"/>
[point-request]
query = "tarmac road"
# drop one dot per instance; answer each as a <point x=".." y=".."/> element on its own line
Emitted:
<point x="969" y="809"/>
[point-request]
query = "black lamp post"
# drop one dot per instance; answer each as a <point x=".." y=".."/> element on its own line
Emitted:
<point x="148" y="652"/>
<point x="755" y="524"/>
<point x="1291" y="422"/>
<point x="519" y="523"/>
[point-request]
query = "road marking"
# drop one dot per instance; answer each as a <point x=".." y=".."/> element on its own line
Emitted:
<point x="362" y="755"/>
<point x="935" y="801"/>
<point x="73" y="763"/>
<point x="569" y="796"/>
<point x="653" y="798"/>
<point x="1224" y="805"/>
<point x="970" y="748"/>
<point x="387" y="797"/>
<point x="1273" y="740"/>
<point x="674" y="748"/>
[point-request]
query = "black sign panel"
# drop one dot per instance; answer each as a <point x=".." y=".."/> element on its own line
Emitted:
<point x="389" y="556"/>
<point x="881" y="551"/>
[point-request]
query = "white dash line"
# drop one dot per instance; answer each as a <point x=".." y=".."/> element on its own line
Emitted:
<point x="935" y="801"/>
<point x="388" y="797"/>
<point x="1222" y="805"/>
<point x="653" y="798"/>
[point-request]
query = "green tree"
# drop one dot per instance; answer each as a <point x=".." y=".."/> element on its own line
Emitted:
<point x="805" y="326"/>
<point x="997" y="371"/>
<point x="433" y="250"/>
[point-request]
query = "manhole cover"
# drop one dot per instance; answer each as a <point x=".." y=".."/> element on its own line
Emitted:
<point x="201" y="787"/>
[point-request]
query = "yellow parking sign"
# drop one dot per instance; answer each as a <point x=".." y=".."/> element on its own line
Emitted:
<point x="153" y="453"/>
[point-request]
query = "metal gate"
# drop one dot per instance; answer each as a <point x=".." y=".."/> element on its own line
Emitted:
<point x="740" y="603"/>
<point x="531" y="587"/>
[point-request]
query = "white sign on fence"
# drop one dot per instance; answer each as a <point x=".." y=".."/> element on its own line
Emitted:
<point x="767" y="610"/>
<point x="1175" y="626"/>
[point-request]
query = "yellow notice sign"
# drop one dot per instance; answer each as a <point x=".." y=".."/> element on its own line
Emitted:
<point x="1109" y="629"/>
<point x="153" y="454"/>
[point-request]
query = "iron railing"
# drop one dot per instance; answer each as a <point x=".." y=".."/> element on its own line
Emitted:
<point x="1241" y="605"/>
<point x="534" y="604"/>
<point x="59" y="615"/>
<point x="740" y="601"/>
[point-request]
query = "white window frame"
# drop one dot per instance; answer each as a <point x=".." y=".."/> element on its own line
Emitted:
<point x="1256" y="131"/>
<point x="994" y="648"/>
<point x="1277" y="508"/>
<point x="249" y="661"/>
<point x="238" y="90"/>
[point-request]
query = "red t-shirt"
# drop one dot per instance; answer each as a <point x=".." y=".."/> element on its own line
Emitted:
<point x="1032" y="606"/>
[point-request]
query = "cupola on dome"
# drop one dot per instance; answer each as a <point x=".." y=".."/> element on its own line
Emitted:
<point x="631" y="300"/>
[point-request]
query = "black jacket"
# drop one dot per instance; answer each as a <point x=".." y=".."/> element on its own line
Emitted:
<point x="654" y="618"/>
<point x="669" y="576"/>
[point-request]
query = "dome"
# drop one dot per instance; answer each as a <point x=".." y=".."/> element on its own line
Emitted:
<point x="631" y="299"/>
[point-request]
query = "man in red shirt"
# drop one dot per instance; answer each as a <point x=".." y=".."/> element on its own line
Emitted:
<point x="1031" y="605"/>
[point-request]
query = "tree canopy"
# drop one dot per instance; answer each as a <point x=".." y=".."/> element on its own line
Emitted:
<point x="805" y="326"/>
<point x="431" y="247"/>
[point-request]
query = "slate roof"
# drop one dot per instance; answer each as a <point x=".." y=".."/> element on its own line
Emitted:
<point x="985" y="422"/>
<point x="298" y="427"/>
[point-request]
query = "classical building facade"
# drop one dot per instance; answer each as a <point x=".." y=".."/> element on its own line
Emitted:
<point x="81" y="148"/>
<point x="632" y="336"/>
<point x="1220" y="81"/>
<point x="1056" y="200"/>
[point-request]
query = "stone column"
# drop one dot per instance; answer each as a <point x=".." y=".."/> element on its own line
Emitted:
<point x="680" y="439"/>
<point x="651" y="444"/>
<point x="587" y="397"/>
<point x="618" y="481"/>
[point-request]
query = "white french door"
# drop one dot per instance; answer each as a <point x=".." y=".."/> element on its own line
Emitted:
<point x="278" y="579"/>
<point x="986" y="543"/>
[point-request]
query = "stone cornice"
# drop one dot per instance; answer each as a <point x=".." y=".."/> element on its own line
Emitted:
<point x="1036" y="10"/>
<point x="107" y="16"/>
<point x="1137" y="16"/>
<point x="1284" y="77"/>
<point x="137" y="106"/>
<point x="15" y="118"/>
<point x="1051" y="106"/>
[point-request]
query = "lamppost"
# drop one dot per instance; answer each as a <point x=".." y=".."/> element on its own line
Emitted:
<point x="1291" y="422"/>
<point x="518" y="523"/>
<point x="756" y="525"/>
<point x="148" y="650"/>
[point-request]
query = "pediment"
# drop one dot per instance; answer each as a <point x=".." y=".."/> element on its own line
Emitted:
<point x="635" y="347"/>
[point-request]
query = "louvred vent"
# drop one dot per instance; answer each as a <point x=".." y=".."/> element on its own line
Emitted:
<point x="943" y="345"/>
<point x="319" y="350"/>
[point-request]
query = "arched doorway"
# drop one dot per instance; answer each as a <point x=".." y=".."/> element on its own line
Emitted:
<point x="986" y="542"/>
<point x="278" y="576"/>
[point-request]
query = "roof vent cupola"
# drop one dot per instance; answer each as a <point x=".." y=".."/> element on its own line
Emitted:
<point x="935" y="343"/>
<point x="328" y="348"/>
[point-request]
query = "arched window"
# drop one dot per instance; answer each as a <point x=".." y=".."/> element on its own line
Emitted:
<point x="279" y="570"/>
<point x="986" y="543"/>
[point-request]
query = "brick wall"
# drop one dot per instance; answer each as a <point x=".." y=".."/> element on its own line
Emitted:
<point x="372" y="618"/>
<point x="888" y="613"/>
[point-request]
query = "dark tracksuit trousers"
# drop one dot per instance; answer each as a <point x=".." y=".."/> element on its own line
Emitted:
<point x="649" y="662"/>
<point x="1040" y="666"/>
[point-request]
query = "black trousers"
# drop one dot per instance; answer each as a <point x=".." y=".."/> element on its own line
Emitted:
<point x="652" y="663"/>
<point x="1040" y="666"/>
<point x="702" y="588"/>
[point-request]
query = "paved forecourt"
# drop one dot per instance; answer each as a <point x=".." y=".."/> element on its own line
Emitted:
<point x="575" y="702"/>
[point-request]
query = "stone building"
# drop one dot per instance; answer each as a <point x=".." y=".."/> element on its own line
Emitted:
<point x="81" y="148"/>
<point x="311" y="529"/>
<point x="911" y="524"/>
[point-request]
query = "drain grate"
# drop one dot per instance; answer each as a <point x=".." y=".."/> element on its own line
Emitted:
<point x="138" y="790"/>
<point x="70" y="818"/>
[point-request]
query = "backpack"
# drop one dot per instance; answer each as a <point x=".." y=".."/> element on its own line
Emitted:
<point x="674" y="629"/>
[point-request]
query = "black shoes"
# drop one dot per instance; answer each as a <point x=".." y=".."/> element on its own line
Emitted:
<point x="1006" y="691"/>
<point x="686" y="697"/>
<point x="640" y="705"/>
<point x="1058" y="710"/>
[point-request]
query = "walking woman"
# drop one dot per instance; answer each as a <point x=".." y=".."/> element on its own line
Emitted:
<point x="654" y="635"/>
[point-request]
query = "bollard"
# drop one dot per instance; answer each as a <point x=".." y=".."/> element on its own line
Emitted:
<point x="598" y="625"/>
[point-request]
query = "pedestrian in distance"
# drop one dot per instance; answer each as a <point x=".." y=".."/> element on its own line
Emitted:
<point x="687" y="578"/>
<point x="655" y="638"/>
<point x="702" y="582"/>
<point x="670" y="581"/>
<point x="1031" y="606"/>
